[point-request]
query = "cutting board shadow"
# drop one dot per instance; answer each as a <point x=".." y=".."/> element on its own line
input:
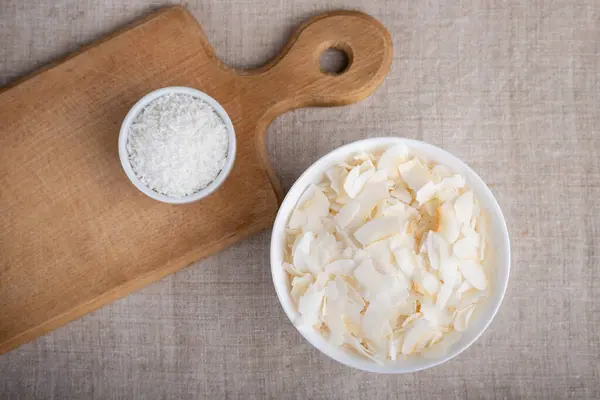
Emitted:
<point x="75" y="233"/>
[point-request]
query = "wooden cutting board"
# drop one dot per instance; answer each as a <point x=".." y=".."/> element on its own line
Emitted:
<point x="75" y="233"/>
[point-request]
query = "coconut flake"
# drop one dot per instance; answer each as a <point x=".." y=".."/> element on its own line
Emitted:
<point x="435" y="316"/>
<point x="451" y="183"/>
<point x="463" y="208"/>
<point x="404" y="240"/>
<point x="406" y="260"/>
<point x="381" y="254"/>
<point x="439" y="172"/>
<point x="337" y="297"/>
<point x="312" y="207"/>
<point x="380" y="176"/>
<point x="341" y="267"/>
<point x="337" y="176"/>
<point x="368" y="277"/>
<point x="301" y="251"/>
<point x="377" y="320"/>
<point x="428" y="281"/>
<point x="427" y="192"/>
<point x="438" y="250"/>
<point x="309" y="306"/>
<point x="368" y="199"/>
<point x="384" y="256"/>
<point x="447" y="224"/>
<point x="317" y="205"/>
<point x="324" y="249"/>
<point x="378" y="229"/>
<point x="358" y="177"/>
<point x="290" y="269"/>
<point x="463" y="287"/>
<point x="441" y="348"/>
<point x="444" y="294"/>
<point x="356" y="345"/>
<point x="448" y="272"/>
<point x="471" y="234"/>
<point x="401" y="193"/>
<point x="417" y="334"/>
<point x="473" y="273"/>
<point x="347" y="214"/>
<point x="466" y="249"/>
<point x="462" y="318"/>
<point x="300" y="285"/>
<point x="414" y="173"/>
<point x="391" y="158"/>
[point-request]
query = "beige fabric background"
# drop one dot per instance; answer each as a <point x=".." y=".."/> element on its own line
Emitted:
<point x="511" y="87"/>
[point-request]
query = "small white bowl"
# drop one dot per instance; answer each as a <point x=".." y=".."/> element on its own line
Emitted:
<point x="124" y="155"/>
<point x="498" y="254"/>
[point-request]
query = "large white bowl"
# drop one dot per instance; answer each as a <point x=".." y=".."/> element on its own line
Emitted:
<point x="124" y="136"/>
<point x="497" y="256"/>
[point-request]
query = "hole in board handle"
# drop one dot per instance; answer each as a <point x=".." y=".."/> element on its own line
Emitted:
<point x="334" y="61"/>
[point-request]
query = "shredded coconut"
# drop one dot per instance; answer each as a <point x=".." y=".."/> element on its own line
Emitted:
<point x="177" y="145"/>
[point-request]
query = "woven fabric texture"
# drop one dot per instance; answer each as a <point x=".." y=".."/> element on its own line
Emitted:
<point x="511" y="87"/>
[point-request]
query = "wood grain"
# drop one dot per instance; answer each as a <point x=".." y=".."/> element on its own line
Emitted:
<point x="76" y="234"/>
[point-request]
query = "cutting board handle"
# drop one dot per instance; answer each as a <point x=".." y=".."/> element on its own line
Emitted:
<point x="295" y="79"/>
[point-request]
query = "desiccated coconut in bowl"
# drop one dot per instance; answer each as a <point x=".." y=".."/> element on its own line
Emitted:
<point x="390" y="255"/>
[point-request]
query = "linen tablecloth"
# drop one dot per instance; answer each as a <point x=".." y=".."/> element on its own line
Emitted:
<point x="511" y="87"/>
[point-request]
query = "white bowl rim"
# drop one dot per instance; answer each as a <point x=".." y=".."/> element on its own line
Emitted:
<point x="124" y="156"/>
<point x="293" y="195"/>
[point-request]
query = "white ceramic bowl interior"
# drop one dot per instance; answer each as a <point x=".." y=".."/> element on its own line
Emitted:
<point x="497" y="257"/>
<point x="124" y="155"/>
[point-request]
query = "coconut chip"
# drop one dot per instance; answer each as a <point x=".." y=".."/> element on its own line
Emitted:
<point x="358" y="177"/>
<point x="384" y="256"/>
